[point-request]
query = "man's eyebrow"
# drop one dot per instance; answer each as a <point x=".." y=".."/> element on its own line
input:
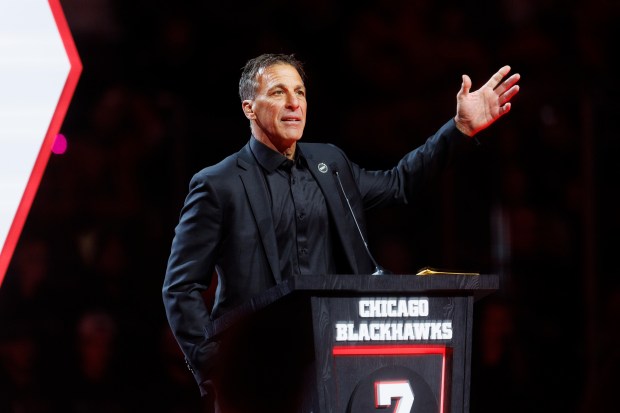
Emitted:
<point x="277" y="86"/>
<point x="283" y="86"/>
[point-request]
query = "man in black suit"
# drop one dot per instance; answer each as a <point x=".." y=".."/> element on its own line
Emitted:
<point x="280" y="208"/>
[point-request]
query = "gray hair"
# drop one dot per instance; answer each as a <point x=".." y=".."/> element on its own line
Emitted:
<point x="249" y="82"/>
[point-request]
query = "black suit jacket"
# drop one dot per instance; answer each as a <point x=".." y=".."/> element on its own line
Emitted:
<point x="226" y="227"/>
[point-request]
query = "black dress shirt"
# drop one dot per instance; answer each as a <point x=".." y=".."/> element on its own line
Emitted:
<point x="299" y="213"/>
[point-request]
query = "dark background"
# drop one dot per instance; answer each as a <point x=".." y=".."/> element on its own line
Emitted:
<point x="82" y="323"/>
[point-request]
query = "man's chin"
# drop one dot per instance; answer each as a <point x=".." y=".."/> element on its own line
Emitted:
<point x="293" y="137"/>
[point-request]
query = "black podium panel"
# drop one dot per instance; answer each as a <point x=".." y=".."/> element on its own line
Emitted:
<point x="353" y="344"/>
<point x="365" y="336"/>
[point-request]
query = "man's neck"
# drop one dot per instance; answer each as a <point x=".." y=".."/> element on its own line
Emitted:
<point x="288" y="151"/>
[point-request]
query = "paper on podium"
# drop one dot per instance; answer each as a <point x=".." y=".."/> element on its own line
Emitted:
<point x="434" y="271"/>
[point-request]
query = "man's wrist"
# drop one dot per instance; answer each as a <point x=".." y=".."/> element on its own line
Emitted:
<point x="463" y="128"/>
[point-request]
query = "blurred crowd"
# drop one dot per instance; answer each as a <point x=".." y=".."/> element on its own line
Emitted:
<point x="82" y="327"/>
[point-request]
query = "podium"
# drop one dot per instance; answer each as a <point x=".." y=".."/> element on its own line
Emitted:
<point x="352" y="344"/>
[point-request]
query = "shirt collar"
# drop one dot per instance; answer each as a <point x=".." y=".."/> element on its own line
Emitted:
<point x="269" y="159"/>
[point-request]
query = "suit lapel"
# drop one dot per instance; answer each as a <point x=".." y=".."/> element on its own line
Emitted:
<point x="321" y="169"/>
<point x="257" y="195"/>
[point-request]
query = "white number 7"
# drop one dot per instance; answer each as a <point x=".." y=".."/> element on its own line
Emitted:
<point x="385" y="391"/>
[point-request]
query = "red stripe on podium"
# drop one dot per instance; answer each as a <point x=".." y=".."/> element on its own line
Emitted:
<point x="401" y="350"/>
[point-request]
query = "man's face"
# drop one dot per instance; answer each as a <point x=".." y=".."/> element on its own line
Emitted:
<point x="279" y="107"/>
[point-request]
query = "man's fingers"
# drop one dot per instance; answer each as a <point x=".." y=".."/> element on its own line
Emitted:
<point x="509" y="94"/>
<point x="496" y="79"/>
<point x="466" y="85"/>
<point x="507" y="84"/>
<point x="505" y="109"/>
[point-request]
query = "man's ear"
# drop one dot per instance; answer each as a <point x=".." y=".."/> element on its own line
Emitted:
<point x="246" y="105"/>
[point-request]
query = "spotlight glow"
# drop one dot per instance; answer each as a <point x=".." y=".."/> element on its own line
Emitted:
<point x="60" y="144"/>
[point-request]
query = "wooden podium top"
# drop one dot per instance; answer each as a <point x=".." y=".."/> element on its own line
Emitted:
<point x="441" y="284"/>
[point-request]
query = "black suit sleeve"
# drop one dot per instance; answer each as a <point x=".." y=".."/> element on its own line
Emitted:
<point x="400" y="184"/>
<point x="189" y="272"/>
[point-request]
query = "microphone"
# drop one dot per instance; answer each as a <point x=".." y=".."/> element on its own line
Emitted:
<point x="379" y="270"/>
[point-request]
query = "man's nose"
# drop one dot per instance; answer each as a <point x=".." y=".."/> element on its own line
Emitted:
<point x="292" y="101"/>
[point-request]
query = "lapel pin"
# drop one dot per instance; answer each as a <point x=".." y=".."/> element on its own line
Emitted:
<point x="322" y="168"/>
